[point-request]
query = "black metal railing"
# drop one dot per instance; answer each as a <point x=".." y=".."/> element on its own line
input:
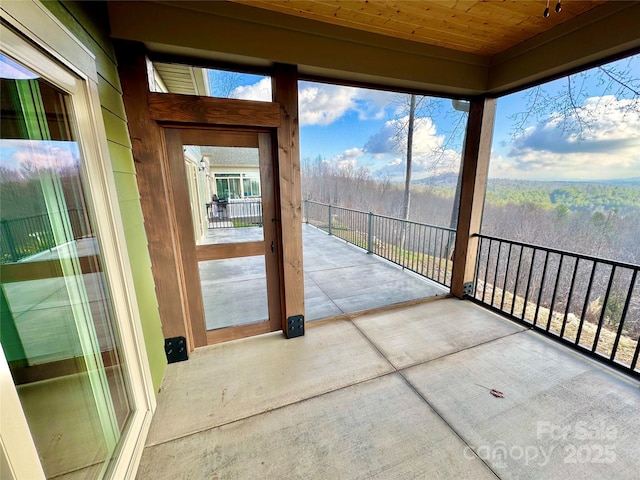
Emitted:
<point x="589" y="303"/>
<point x="235" y="213"/>
<point x="419" y="247"/>
<point x="23" y="237"/>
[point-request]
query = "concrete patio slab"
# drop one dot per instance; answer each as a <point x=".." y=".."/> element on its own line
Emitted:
<point x="317" y="304"/>
<point x="339" y="279"/>
<point x="234" y="380"/>
<point x="377" y="429"/>
<point x="328" y="405"/>
<point x="355" y="281"/>
<point x="413" y="335"/>
<point x="562" y="415"/>
<point x="319" y="256"/>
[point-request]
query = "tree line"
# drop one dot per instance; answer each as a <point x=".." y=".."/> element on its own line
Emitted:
<point x="591" y="218"/>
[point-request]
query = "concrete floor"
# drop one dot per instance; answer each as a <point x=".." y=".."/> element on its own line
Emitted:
<point x="338" y="279"/>
<point x="395" y="395"/>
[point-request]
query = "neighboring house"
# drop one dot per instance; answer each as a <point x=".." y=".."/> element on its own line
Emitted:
<point x="85" y="317"/>
<point x="235" y="172"/>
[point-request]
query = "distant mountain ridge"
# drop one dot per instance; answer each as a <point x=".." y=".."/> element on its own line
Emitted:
<point x="452" y="179"/>
<point x="605" y="194"/>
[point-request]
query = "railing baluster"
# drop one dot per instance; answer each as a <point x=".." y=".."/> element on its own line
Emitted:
<point x="495" y="274"/>
<point x="446" y="261"/>
<point x="570" y="297"/>
<point x="416" y="247"/>
<point x="477" y="275"/>
<point x="370" y="232"/>
<point x="586" y="302"/>
<point x="506" y="276"/>
<point x="486" y="270"/>
<point x="544" y="274"/>
<point x="555" y="291"/>
<point x="517" y="282"/>
<point x="432" y="254"/>
<point x="424" y="251"/>
<point x="386" y="238"/>
<point x="604" y="309"/>
<point x="414" y="255"/>
<point x="526" y="295"/>
<point x="440" y="254"/>
<point x="623" y="316"/>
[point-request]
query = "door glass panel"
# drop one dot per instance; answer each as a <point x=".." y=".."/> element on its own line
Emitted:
<point x="234" y="288"/>
<point x="58" y="329"/>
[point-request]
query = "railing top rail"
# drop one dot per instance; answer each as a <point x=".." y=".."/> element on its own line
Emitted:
<point x="382" y="216"/>
<point x="562" y="252"/>
<point x="416" y="223"/>
<point x="31" y="217"/>
<point x="336" y="206"/>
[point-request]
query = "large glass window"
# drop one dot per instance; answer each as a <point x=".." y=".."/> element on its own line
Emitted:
<point x="228" y="186"/>
<point x="58" y="329"/>
<point x="250" y="186"/>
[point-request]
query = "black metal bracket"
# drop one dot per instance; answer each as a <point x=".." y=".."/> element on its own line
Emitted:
<point x="176" y="349"/>
<point x="295" y="326"/>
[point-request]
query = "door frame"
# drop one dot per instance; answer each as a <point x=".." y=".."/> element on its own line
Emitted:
<point x="148" y="113"/>
<point x="176" y="136"/>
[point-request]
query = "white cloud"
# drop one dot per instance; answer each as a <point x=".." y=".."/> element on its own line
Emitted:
<point x="348" y="158"/>
<point x="324" y="104"/>
<point x="430" y="156"/>
<point x="260" y="91"/>
<point x="38" y="154"/>
<point x="610" y="148"/>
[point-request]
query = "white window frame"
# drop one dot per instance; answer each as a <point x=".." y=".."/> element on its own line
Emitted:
<point x="74" y="71"/>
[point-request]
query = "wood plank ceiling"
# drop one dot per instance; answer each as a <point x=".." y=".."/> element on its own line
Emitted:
<point x="485" y="27"/>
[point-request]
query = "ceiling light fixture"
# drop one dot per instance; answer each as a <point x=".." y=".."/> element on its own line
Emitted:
<point x="558" y="9"/>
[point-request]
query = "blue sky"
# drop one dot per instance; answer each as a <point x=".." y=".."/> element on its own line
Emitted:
<point x="355" y="127"/>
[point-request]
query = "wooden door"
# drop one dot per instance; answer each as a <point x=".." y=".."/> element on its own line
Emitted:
<point x="231" y="270"/>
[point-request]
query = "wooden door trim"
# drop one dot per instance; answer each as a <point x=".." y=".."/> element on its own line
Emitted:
<point x="271" y="226"/>
<point x="182" y="213"/>
<point x="236" y="333"/>
<point x="225" y="250"/>
<point x="269" y="247"/>
<point x="223" y="138"/>
<point x="172" y="107"/>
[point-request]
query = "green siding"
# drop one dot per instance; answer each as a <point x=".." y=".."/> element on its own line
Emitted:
<point x="121" y="158"/>
<point x="88" y="22"/>
<point x="117" y="130"/>
<point x="111" y="98"/>
<point x="105" y="63"/>
<point x="126" y="187"/>
<point x="133" y="217"/>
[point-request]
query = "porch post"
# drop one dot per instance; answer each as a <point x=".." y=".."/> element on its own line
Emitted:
<point x="152" y="174"/>
<point x="475" y="169"/>
<point x="285" y="79"/>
